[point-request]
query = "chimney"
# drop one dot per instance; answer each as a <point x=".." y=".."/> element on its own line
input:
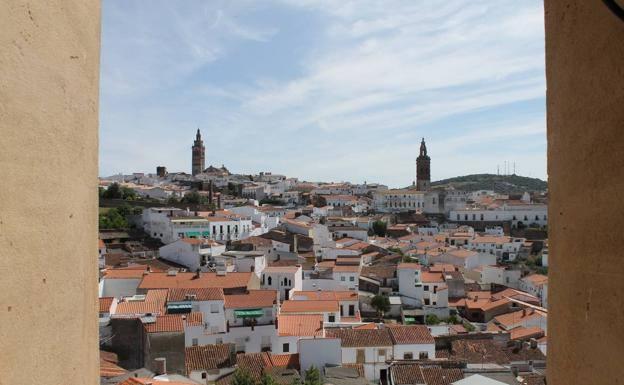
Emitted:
<point x="276" y="325"/>
<point x="198" y="273"/>
<point x="476" y="298"/>
<point x="160" y="365"/>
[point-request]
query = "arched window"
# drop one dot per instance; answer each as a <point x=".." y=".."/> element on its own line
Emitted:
<point x="269" y="281"/>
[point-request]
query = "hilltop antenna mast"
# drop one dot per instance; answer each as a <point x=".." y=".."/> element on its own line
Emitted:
<point x="514" y="168"/>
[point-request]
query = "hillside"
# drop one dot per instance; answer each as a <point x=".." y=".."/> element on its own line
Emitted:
<point x="506" y="184"/>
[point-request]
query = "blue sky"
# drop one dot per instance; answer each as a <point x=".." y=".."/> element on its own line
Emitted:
<point x="324" y="90"/>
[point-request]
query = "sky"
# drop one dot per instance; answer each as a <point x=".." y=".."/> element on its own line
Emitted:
<point x="324" y="90"/>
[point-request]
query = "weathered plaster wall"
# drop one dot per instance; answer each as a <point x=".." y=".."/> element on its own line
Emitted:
<point x="585" y="79"/>
<point x="49" y="68"/>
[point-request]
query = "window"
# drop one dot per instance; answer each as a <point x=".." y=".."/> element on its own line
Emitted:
<point x="204" y="375"/>
<point x="214" y="307"/>
<point x="332" y="318"/>
<point x="423" y="355"/>
<point x="426" y="301"/>
<point x="381" y="353"/>
<point x="195" y="342"/>
<point x="457" y="216"/>
<point x="426" y="288"/>
<point x="351" y="310"/>
<point x="352" y="278"/>
<point x="219" y="341"/>
<point x="342" y="278"/>
<point x="286" y="348"/>
<point x="408" y="356"/>
<point x="359" y="357"/>
<point x="269" y="280"/>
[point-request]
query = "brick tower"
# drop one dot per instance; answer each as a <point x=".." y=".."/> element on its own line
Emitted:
<point x="423" y="169"/>
<point x="199" y="154"/>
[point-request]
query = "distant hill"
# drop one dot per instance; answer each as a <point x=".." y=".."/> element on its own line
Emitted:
<point x="504" y="184"/>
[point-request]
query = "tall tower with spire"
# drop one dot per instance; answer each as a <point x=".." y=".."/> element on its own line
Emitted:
<point x="199" y="155"/>
<point x="423" y="168"/>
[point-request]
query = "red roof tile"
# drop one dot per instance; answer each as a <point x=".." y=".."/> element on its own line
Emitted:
<point x="251" y="299"/>
<point x="308" y="325"/>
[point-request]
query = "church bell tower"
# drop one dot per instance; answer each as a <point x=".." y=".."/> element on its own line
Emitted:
<point x="199" y="155"/>
<point x="423" y="169"/>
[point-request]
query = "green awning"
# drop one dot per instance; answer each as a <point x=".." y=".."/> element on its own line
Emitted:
<point x="205" y="233"/>
<point x="249" y="313"/>
<point x="193" y="234"/>
<point x="175" y="308"/>
<point x="410" y="320"/>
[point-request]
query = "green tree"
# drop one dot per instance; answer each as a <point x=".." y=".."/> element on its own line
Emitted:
<point x="379" y="228"/>
<point x="112" y="220"/>
<point x="112" y="192"/>
<point x="193" y="198"/>
<point x="172" y="200"/>
<point x="242" y="377"/>
<point x="381" y="303"/>
<point x="267" y="380"/>
<point x="128" y="194"/>
<point x="468" y="326"/>
<point x="125" y="209"/>
<point x="296" y="381"/>
<point x="432" y="319"/>
<point x="312" y="376"/>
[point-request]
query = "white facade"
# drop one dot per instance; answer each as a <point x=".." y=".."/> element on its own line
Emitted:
<point x="282" y="279"/>
<point x="374" y="359"/>
<point x="525" y="213"/>
<point x="192" y="253"/>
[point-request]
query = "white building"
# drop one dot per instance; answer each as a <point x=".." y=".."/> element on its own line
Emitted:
<point x="524" y="213"/>
<point x="406" y="200"/>
<point x="505" y="248"/>
<point x="194" y="253"/>
<point x="537" y="285"/>
<point x="283" y="279"/>
<point x="169" y="225"/>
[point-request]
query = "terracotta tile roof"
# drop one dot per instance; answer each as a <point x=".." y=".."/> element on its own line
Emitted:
<point x="208" y="357"/>
<point x="491" y="239"/>
<point x="366" y="326"/>
<point x="191" y="280"/>
<point x="253" y="298"/>
<point x="379" y="271"/>
<point x="153" y="304"/>
<point x="340" y="295"/>
<point x="406" y="374"/>
<point x="308" y="325"/>
<point x="352" y="338"/>
<point x="285" y="360"/>
<point x="442" y="267"/>
<point x="354" y="319"/>
<point x="105" y="304"/>
<point x="522" y="333"/>
<point x="429" y="277"/>
<point x="254" y="363"/>
<point x="405" y="265"/>
<point x="108" y="365"/>
<point x="194" y="294"/>
<point x="412" y="334"/>
<point x="313" y="306"/>
<point x="516" y="317"/>
<point x="536" y="279"/>
<point x="489" y="351"/>
<point x="518" y="295"/>
<point x="441" y="376"/>
<point x="170" y="323"/>
<point x="462" y="253"/>
<point x="125" y="273"/>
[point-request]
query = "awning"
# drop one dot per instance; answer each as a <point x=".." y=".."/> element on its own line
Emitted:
<point x="193" y="234"/>
<point x="174" y="308"/>
<point x="249" y="313"/>
<point x="205" y="233"/>
<point x="410" y="320"/>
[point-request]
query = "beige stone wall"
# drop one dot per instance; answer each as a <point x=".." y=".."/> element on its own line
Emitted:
<point x="585" y="79"/>
<point x="49" y="68"/>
